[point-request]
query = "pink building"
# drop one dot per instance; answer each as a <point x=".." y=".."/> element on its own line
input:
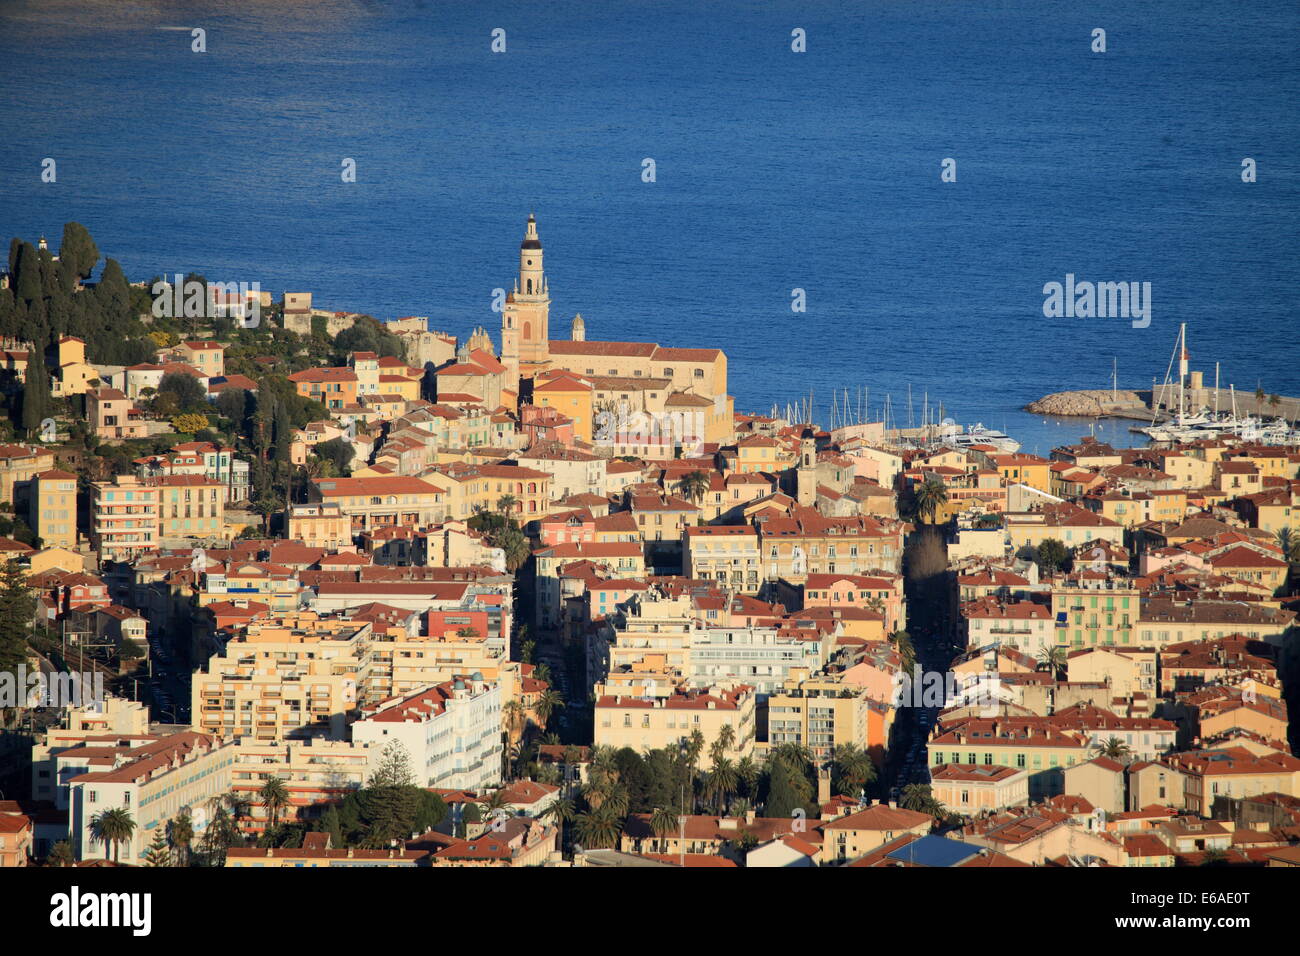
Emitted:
<point x="113" y="415"/>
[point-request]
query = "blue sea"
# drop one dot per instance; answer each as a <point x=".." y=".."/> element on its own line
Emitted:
<point x="774" y="171"/>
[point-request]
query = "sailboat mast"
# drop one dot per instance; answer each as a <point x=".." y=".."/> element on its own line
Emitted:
<point x="1182" y="365"/>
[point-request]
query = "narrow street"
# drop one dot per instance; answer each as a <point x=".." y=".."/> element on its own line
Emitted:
<point x="931" y="623"/>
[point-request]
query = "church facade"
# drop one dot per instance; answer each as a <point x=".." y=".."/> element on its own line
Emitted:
<point x="625" y="378"/>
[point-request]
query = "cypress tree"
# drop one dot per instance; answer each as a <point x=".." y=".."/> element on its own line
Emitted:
<point x="36" y="391"/>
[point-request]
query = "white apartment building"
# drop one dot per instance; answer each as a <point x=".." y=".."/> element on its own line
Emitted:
<point x="153" y="783"/>
<point x="451" y="731"/>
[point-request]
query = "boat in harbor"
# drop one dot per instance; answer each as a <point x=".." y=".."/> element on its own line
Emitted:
<point x="1186" y="426"/>
<point x="950" y="433"/>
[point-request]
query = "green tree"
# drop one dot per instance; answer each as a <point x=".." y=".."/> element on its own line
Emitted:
<point x="1052" y="555"/>
<point x="548" y="701"/>
<point x="929" y="497"/>
<point x="694" y="485"/>
<point x="665" y="822"/>
<point x="77" y="254"/>
<point x="60" y="855"/>
<point x="17" y="612"/>
<point x="1113" y="747"/>
<point x="338" y="452"/>
<point x="394" y="768"/>
<point x="180" y="833"/>
<point x="275" y="798"/>
<point x="112" y="828"/>
<point x="1054" y="659"/>
<point x="599" y="828"/>
<point x="158" y="853"/>
<point x="36" y="392"/>
<point x="184" y="389"/>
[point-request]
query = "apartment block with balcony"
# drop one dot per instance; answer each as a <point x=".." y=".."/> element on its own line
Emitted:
<point x="1093" y="610"/>
<point x="293" y="677"/>
<point x="123" y="517"/>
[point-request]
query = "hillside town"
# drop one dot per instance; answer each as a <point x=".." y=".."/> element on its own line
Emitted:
<point x="286" y="586"/>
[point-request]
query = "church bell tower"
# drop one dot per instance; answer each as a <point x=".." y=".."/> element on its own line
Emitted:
<point x="525" y="319"/>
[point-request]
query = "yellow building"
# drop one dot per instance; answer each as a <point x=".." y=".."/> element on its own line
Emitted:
<point x="821" y="713"/>
<point x="73" y="376"/>
<point x="320" y="525"/>
<point x="293" y="674"/>
<point x="1024" y="469"/>
<point x="190" y="506"/>
<point x="19" y="464"/>
<point x="571" y="396"/>
<point x="646" y="724"/>
<point x="54" y="508"/>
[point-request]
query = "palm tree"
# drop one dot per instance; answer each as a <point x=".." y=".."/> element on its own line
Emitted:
<point x="275" y="797"/>
<point x="1054" y="659"/>
<point x="918" y="797"/>
<point x="748" y="771"/>
<point x="181" y="833"/>
<point x="514" y="712"/>
<point x="664" y="821"/>
<point x="560" y="812"/>
<point x="572" y="758"/>
<point x="1289" y="542"/>
<point x="1114" y="748"/>
<point x="725" y="740"/>
<point x="929" y="496"/>
<point x="795" y="756"/>
<point x="515" y="545"/>
<point x="266" y="507"/>
<point x="722" y="782"/>
<point x="113" y="827"/>
<point x="604" y="765"/>
<point x="599" y="829"/>
<point x="548" y="701"/>
<point x="60" y="855"/>
<point x="902" y="642"/>
<point x="853" y="769"/>
<point x="495" y="806"/>
<point x="506" y="504"/>
<point x="693" y="485"/>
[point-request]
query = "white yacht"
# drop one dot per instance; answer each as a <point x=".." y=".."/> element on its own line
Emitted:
<point x="951" y="434"/>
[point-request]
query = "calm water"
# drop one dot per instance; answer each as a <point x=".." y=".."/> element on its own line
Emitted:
<point x="775" y="171"/>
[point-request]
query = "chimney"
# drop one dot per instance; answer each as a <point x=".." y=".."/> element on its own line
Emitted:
<point x="823" y="787"/>
<point x="749" y="816"/>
